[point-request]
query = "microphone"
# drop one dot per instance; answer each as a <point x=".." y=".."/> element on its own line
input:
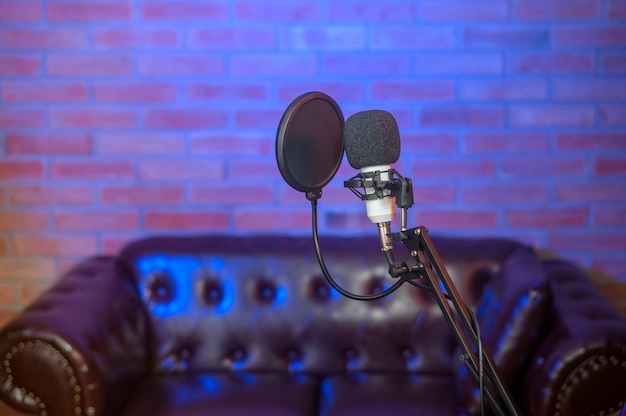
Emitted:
<point x="372" y="143"/>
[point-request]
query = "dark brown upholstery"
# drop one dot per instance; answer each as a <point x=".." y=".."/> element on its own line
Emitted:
<point x="235" y="326"/>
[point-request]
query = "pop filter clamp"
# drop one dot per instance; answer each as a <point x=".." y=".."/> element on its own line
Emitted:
<point x="308" y="153"/>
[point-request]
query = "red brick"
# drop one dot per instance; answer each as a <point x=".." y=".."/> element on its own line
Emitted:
<point x="610" y="165"/>
<point x="298" y="11"/>
<point x="203" y="221"/>
<point x="23" y="220"/>
<point x="273" y="64"/>
<point x="232" y="38"/>
<point x="594" y="140"/>
<point x="455" y="116"/>
<point x="609" y="215"/>
<point x="453" y="11"/>
<point x="440" y="193"/>
<point x="586" y="240"/>
<point x="615" y="266"/>
<point x="7" y="294"/>
<point x="91" y="169"/>
<point x="54" y="244"/>
<point x="448" y="219"/>
<point x="44" y="91"/>
<point x="185" y="11"/>
<point x="543" y="167"/>
<point x="454" y="168"/>
<point x="419" y="90"/>
<point x="412" y="38"/>
<point x="556" y="217"/>
<point x="503" y="89"/>
<point x="23" y="11"/>
<point x="90" y="64"/>
<point x="135" y="92"/>
<point x="589" y="192"/>
<point x="29" y="291"/>
<point x="93" y="117"/>
<point x="328" y="38"/>
<point x="339" y="90"/>
<point x="17" y="268"/>
<point x="552" y="115"/>
<point x="47" y="195"/>
<point x="181" y="65"/>
<point x="48" y="143"/>
<point x="45" y="38"/>
<point x="509" y="36"/>
<point x="504" y="193"/>
<point x="112" y="244"/>
<point x="613" y="114"/>
<point x="257" y="118"/>
<point x="22" y="64"/>
<point x="459" y="63"/>
<point x="613" y="62"/>
<point x="21" y="117"/>
<point x="589" y="88"/>
<point x="551" y="10"/>
<point x="429" y="143"/>
<point x="185" y="118"/>
<point x="222" y="92"/>
<point x="245" y="169"/>
<point x="21" y="169"/>
<point x="589" y="35"/>
<point x="3" y="245"/>
<point x="181" y="169"/>
<point x="116" y="38"/>
<point x="238" y="144"/>
<point x="233" y="193"/>
<point x="506" y="142"/>
<point x="7" y="314"/>
<point x="551" y="62"/>
<point x="96" y="220"/>
<point x="92" y="11"/>
<point x="360" y="11"/>
<point x="272" y="220"/>
<point x="141" y="143"/>
<point x="354" y="220"/>
<point x="617" y="9"/>
<point x="387" y="64"/>
<point x="142" y="195"/>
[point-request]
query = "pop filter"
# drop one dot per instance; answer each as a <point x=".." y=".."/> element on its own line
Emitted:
<point x="309" y="145"/>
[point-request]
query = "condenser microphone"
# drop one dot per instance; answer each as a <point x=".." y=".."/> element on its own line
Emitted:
<point x="372" y="143"/>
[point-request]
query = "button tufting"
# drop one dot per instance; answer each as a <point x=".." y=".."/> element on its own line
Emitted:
<point x="319" y="290"/>
<point x="265" y="291"/>
<point x="211" y="292"/>
<point x="160" y="287"/>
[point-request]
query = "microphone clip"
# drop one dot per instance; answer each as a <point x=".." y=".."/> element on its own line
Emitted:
<point x="397" y="186"/>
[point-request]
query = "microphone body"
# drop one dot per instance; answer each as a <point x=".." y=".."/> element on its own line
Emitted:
<point x="372" y="143"/>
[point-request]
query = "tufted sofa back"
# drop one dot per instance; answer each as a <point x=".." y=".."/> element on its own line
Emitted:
<point x="262" y="304"/>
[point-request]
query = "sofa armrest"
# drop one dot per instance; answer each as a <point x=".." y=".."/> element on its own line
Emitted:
<point x="80" y="348"/>
<point x="580" y="366"/>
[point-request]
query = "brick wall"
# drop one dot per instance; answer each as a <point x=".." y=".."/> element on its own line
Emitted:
<point x="126" y="118"/>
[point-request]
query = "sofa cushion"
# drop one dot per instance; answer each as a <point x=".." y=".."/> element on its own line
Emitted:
<point x="510" y="313"/>
<point x="226" y="394"/>
<point x="381" y="394"/>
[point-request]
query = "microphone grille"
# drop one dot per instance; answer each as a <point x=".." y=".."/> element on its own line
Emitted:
<point x="371" y="138"/>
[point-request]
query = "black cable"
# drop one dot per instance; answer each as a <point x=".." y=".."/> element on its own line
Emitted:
<point x="329" y="278"/>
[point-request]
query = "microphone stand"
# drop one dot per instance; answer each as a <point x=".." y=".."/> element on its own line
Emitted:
<point x="428" y="266"/>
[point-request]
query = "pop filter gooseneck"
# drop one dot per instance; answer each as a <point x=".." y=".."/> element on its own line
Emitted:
<point x="309" y="144"/>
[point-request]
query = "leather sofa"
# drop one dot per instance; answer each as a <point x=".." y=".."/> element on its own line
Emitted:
<point x="226" y="325"/>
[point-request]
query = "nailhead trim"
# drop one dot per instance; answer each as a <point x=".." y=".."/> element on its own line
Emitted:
<point x="601" y="361"/>
<point x="73" y="381"/>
